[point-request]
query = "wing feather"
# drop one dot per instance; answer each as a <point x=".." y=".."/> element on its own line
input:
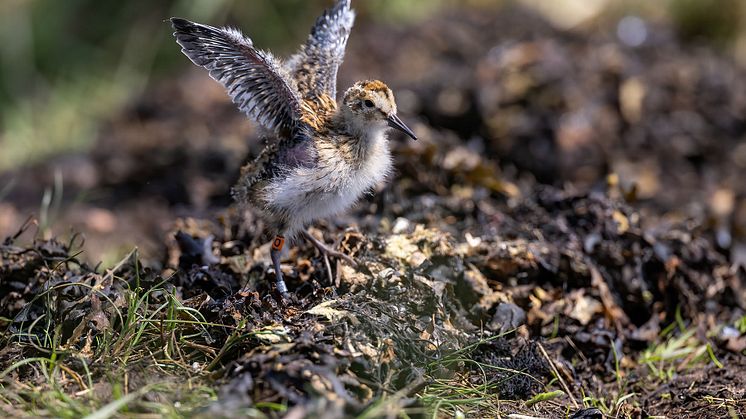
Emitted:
<point x="315" y="65"/>
<point x="255" y="80"/>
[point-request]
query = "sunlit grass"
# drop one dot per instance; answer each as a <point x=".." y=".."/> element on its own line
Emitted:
<point x="678" y="350"/>
<point x="152" y="334"/>
<point x="676" y="353"/>
<point x="469" y="390"/>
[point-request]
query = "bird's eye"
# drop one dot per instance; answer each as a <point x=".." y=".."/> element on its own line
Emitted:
<point x="369" y="103"/>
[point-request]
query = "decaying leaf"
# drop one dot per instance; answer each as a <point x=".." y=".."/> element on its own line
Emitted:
<point x="325" y="309"/>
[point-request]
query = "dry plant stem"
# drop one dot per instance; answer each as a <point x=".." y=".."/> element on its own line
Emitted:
<point x="328" y="269"/>
<point x="559" y="377"/>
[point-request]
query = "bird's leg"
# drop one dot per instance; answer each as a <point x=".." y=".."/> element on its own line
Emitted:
<point x="326" y="252"/>
<point x="275" y="252"/>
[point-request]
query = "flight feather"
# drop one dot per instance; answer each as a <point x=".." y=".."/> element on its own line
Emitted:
<point x="315" y="65"/>
<point x="255" y="80"/>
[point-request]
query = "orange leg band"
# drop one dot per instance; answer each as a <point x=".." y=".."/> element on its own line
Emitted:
<point x="278" y="242"/>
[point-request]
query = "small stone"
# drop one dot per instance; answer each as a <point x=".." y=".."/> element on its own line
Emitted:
<point x="507" y="317"/>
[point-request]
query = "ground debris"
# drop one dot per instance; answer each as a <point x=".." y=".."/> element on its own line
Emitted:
<point x="578" y="266"/>
<point x="566" y="191"/>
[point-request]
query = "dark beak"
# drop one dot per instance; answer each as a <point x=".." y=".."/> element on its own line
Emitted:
<point x="395" y="122"/>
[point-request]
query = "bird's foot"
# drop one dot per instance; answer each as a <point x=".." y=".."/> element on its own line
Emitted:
<point x="327" y="251"/>
<point x="281" y="288"/>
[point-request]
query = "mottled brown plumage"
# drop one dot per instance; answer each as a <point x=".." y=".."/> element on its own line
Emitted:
<point x="321" y="156"/>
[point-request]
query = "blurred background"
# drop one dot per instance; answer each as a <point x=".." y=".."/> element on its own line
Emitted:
<point x="106" y="129"/>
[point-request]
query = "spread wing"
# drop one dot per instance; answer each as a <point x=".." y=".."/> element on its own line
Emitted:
<point x="315" y="66"/>
<point x="255" y="80"/>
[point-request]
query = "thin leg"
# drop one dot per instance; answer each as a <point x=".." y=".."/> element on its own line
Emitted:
<point x="275" y="252"/>
<point x="326" y="251"/>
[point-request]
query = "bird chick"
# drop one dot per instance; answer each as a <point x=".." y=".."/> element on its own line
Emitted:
<point x="321" y="156"/>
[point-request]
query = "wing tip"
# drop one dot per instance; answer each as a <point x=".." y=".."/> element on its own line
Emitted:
<point x="181" y="24"/>
<point x="185" y="32"/>
<point x="341" y="12"/>
<point x="343" y="6"/>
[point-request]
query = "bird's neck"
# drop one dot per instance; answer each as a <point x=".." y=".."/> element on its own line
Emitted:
<point x="358" y="128"/>
<point x="362" y="138"/>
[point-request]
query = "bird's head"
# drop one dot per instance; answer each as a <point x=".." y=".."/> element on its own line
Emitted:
<point x="371" y="105"/>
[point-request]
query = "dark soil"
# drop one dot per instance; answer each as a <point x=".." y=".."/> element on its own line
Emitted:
<point x="572" y="195"/>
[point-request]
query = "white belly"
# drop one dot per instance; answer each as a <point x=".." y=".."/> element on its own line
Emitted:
<point x="309" y="194"/>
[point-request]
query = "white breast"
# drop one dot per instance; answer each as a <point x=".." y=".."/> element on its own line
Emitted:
<point x="309" y="194"/>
